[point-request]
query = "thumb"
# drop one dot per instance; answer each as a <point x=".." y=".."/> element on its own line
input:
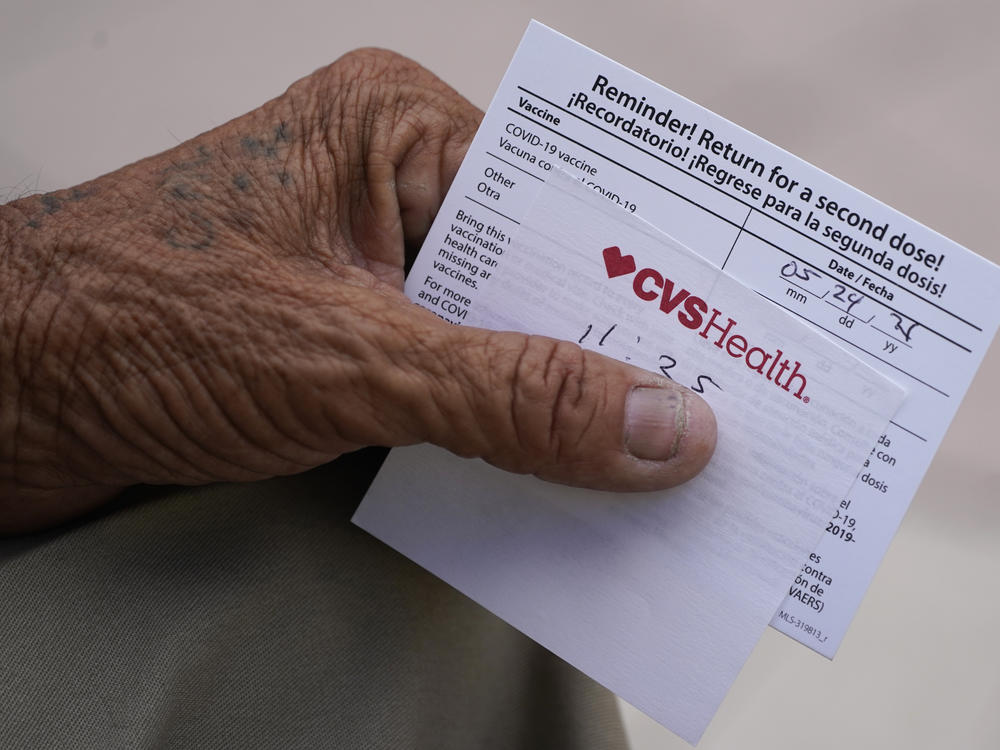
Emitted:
<point x="536" y="405"/>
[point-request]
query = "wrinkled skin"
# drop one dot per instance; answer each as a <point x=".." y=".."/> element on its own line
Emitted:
<point x="232" y="310"/>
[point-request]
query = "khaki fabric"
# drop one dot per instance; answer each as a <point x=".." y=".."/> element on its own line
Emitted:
<point x="257" y="616"/>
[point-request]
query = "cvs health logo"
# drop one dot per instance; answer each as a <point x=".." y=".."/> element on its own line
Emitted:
<point x="694" y="313"/>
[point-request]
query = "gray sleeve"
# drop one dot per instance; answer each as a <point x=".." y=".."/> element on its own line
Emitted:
<point x="257" y="616"/>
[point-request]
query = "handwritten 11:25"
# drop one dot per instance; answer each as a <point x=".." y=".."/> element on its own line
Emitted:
<point x="665" y="362"/>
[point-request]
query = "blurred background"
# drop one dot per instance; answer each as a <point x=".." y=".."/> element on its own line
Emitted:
<point x="899" y="98"/>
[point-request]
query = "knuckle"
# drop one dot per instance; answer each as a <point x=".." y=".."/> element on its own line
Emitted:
<point x="551" y="370"/>
<point x="374" y="62"/>
<point x="554" y="401"/>
<point x="370" y="80"/>
<point x="361" y="75"/>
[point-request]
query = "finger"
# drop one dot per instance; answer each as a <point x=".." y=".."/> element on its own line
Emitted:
<point x="536" y="405"/>
<point x="425" y="169"/>
<point x="415" y="132"/>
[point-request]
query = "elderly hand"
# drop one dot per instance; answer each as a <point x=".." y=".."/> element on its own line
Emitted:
<point x="232" y="309"/>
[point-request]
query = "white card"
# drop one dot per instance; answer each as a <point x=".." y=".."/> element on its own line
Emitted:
<point x="907" y="301"/>
<point x="913" y="305"/>
<point x="660" y="596"/>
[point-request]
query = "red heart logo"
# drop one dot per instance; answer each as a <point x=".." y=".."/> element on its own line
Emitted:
<point x="616" y="263"/>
